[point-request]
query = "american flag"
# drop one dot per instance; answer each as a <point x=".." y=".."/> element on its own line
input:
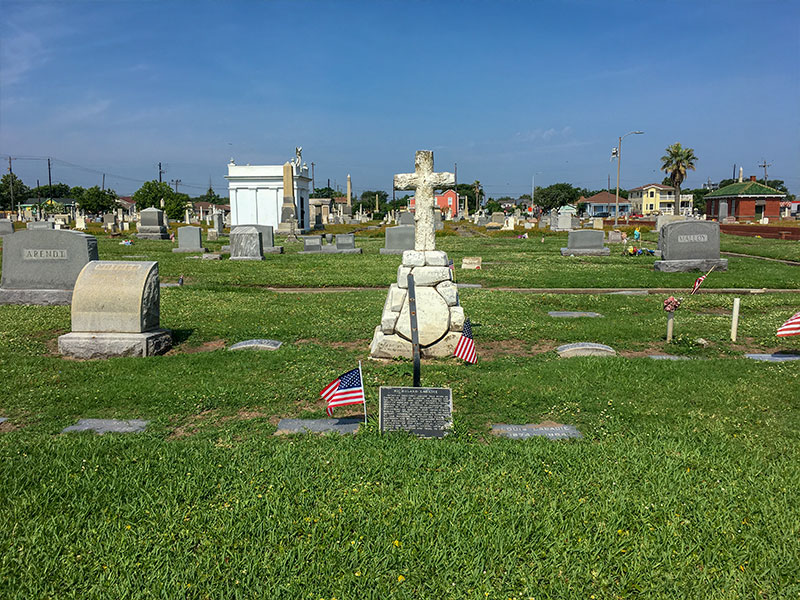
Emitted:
<point x="450" y="264"/>
<point x="346" y="389"/>
<point x="466" y="345"/>
<point x="697" y="283"/>
<point x="791" y="327"/>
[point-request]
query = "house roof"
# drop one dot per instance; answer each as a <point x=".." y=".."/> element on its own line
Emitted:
<point x="660" y="186"/>
<point x="745" y="188"/>
<point x="603" y="198"/>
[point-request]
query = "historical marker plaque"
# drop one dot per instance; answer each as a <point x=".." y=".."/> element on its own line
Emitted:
<point x="427" y="412"/>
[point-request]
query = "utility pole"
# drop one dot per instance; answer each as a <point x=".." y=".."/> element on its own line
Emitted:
<point x="175" y="182"/>
<point x="160" y="172"/>
<point x="765" y="164"/>
<point x="104" y="182"/>
<point x="49" y="180"/>
<point x="11" y="182"/>
<point x="477" y="196"/>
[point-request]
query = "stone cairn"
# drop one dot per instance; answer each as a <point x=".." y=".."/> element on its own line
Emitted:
<point x="440" y="318"/>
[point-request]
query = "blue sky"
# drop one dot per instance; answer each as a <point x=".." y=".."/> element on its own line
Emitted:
<point x="507" y="89"/>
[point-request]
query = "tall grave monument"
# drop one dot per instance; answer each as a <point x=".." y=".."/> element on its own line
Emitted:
<point x="440" y="318"/>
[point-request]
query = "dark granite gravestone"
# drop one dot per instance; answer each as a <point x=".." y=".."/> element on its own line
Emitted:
<point x="342" y="426"/>
<point x="547" y="429"/>
<point x="398" y="239"/>
<point x="41" y="266"/>
<point x="101" y="426"/>
<point x="405" y="218"/>
<point x="189" y="240"/>
<point x="427" y="412"/>
<point x="40" y="225"/>
<point x="217" y="222"/>
<point x="246" y="244"/>
<point x="260" y="344"/>
<point x="312" y="244"/>
<point x="345" y="243"/>
<point x="690" y="246"/>
<point x="6" y="227"/>
<point x="585" y="242"/>
<point x="152" y="225"/>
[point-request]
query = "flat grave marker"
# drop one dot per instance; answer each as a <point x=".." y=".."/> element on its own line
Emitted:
<point x="343" y="426"/>
<point x="776" y="357"/>
<point x="570" y="314"/>
<point x="547" y="429"/>
<point x="103" y="426"/>
<point x="471" y="262"/>
<point x="259" y="344"/>
<point x="585" y="349"/>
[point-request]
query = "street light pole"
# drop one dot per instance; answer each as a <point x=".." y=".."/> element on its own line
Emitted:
<point x="619" y="160"/>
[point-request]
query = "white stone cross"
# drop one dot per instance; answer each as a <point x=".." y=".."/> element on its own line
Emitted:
<point x="424" y="181"/>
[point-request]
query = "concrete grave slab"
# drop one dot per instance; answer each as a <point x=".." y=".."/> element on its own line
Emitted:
<point x="259" y="344"/>
<point x="585" y="349"/>
<point x="668" y="357"/>
<point x="546" y="429"/>
<point x="343" y="426"/>
<point x="776" y="357"/>
<point x="570" y="314"/>
<point x="102" y="426"/>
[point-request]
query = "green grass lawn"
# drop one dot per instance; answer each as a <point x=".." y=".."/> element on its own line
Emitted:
<point x="685" y="484"/>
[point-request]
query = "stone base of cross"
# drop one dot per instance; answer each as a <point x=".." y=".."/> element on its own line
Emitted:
<point x="425" y="182"/>
<point x="439" y="317"/>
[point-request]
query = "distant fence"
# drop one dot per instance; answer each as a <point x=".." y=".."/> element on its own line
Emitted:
<point x="777" y="232"/>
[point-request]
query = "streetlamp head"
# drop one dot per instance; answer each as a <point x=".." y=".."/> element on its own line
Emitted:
<point x="638" y="132"/>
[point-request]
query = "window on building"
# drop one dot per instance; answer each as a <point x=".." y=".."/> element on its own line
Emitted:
<point x="652" y="193"/>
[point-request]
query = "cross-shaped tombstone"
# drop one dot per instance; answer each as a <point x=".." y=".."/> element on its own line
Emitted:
<point x="424" y="181"/>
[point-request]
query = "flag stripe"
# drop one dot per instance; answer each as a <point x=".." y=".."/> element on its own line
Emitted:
<point x="791" y="327"/>
<point x="346" y="389"/>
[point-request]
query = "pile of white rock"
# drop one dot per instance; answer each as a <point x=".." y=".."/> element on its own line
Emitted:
<point x="440" y="318"/>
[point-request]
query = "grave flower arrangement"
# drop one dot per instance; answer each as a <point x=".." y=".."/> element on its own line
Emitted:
<point x="672" y="304"/>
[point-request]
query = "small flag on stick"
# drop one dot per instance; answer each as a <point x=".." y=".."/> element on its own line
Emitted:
<point x="346" y="389"/>
<point x="791" y="327"/>
<point x="699" y="281"/>
<point x="465" y="349"/>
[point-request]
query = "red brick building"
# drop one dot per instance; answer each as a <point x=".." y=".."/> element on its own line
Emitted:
<point x="747" y="201"/>
<point x="445" y="201"/>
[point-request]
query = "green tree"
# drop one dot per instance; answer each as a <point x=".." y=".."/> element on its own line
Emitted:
<point x="557" y="195"/>
<point x="493" y="206"/>
<point x="76" y="192"/>
<point x="96" y="201"/>
<point x="57" y="190"/>
<point x="210" y="196"/>
<point x="151" y="193"/>
<point x="676" y="162"/>
<point x="21" y="191"/>
<point x="326" y="192"/>
<point x="699" y="199"/>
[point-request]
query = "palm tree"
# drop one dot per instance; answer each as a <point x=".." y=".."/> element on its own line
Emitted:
<point x="477" y="185"/>
<point x="675" y="163"/>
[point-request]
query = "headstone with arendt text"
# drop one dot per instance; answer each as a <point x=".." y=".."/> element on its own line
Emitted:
<point x="690" y="246"/>
<point x="427" y="412"/>
<point x="41" y="266"/>
<point x="116" y="312"/>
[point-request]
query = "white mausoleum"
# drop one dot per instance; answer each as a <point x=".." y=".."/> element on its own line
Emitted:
<point x="256" y="193"/>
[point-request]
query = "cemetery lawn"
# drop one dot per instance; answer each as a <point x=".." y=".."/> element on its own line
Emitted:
<point x="684" y="485"/>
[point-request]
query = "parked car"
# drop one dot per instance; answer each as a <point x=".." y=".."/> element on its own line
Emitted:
<point x="604" y="215"/>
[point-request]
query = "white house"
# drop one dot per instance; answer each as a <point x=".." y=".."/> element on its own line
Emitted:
<point x="256" y="193"/>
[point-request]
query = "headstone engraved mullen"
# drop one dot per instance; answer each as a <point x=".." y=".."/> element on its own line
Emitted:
<point x="116" y="312"/>
<point x="427" y="412"/>
<point x="40" y="266"/>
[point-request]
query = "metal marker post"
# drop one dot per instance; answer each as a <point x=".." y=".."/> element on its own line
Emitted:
<point x="361" y="377"/>
<point x="412" y="312"/>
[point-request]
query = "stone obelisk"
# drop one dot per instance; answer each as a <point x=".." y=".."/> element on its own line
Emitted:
<point x="288" y="222"/>
<point x="440" y="318"/>
<point x="349" y="191"/>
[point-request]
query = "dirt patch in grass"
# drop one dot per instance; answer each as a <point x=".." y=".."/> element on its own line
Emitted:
<point x="50" y="337"/>
<point x="354" y="345"/>
<point x="713" y="311"/>
<point x="8" y="427"/>
<point x="495" y="349"/>
<point x="195" y="422"/>
<point x="653" y="348"/>
<point x="204" y="347"/>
